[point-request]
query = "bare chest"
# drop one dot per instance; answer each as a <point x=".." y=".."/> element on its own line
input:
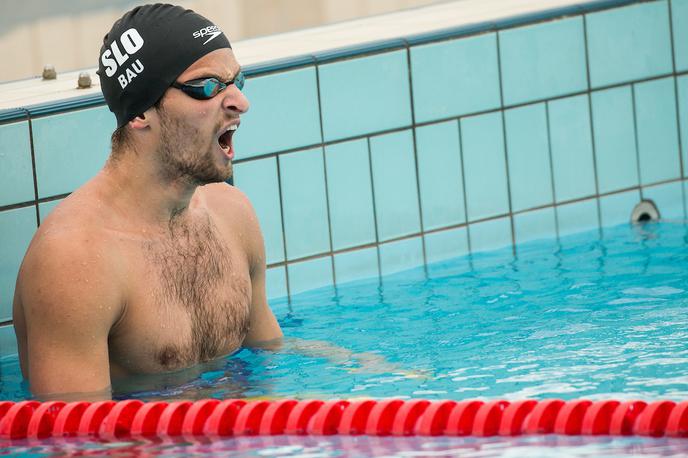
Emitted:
<point x="189" y="302"/>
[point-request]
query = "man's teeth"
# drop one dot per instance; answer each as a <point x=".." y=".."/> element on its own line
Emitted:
<point x="233" y="127"/>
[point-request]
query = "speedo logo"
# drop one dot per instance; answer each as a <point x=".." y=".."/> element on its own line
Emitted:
<point x="211" y="32"/>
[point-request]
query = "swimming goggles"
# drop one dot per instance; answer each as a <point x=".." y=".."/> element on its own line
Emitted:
<point x="207" y="88"/>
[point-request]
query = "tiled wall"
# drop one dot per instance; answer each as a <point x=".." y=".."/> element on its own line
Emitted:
<point x="379" y="162"/>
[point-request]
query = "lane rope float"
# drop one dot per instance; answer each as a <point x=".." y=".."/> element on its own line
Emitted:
<point x="388" y="417"/>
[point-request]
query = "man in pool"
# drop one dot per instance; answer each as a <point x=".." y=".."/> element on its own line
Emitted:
<point x="155" y="264"/>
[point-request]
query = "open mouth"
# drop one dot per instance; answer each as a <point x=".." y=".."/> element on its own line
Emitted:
<point x="225" y="140"/>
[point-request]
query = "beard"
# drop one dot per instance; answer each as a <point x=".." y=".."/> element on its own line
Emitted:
<point x="187" y="156"/>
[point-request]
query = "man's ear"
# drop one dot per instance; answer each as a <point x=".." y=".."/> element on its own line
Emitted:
<point x="144" y="120"/>
<point x="140" y="122"/>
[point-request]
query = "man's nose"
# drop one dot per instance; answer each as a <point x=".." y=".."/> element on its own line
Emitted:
<point x="235" y="100"/>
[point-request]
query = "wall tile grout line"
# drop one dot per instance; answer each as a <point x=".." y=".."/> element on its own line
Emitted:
<point x="415" y="159"/>
<point x="463" y="186"/>
<point x="591" y="124"/>
<point x="505" y="143"/>
<point x="452" y="118"/>
<point x="635" y="138"/>
<point x="595" y="197"/>
<point x="372" y="191"/>
<point x="327" y="186"/>
<point x="681" y="140"/>
<point x="284" y="235"/>
<point x="551" y="171"/>
<point x="677" y="106"/>
<point x="33" y="168"/>
<point x="29" y="203"/>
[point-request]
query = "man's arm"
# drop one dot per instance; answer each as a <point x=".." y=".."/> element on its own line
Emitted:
<point x="68" y="301"/>
<point x="263" y="324"/>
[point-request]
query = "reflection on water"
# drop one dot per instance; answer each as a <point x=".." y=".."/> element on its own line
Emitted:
<point x="361" y="446"/>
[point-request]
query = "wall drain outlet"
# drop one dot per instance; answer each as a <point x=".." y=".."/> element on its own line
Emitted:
<point x="644" y="212"/>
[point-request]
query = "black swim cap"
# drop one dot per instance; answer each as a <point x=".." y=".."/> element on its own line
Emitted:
<point x="146" y="50"/>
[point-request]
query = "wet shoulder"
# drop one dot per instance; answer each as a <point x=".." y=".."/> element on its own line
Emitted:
<point x="234" y="212"/>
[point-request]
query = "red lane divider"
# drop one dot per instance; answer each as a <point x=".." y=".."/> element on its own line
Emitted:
<point x="624" y="417"/>
<point x="433" y="421"/>
<point x="43" y="419"/>
<point x="214" y="418"/>
<point x="327" y="418"/>
<point x="145" y="421"/>
<point x="67" y="421"/>
<point x="197" y="415"/>
<point x="570" y="417"/>
<point x="275" y="417"/>
<point x="355" y="417"/>
<point x="118" y="422"/>
<point x="598" y="417"/>
<point x="407" y="417"/>
<point x="514" y="416"/>
<point x="461" y="418"/>
<point x="297" y="423"/>
<point x="653" y="419"/>
<point x="541" y="419"/>
<point x="221" y="421"/>
<point x="488" y="417"/>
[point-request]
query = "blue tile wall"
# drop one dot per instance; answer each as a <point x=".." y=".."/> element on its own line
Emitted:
<point x="401" y="255"/>
<point x="535" y="224"/>
<point x="490" y="235"/>
<point x="70" y="148"/>
<point x="577" y="217"/>
<point x="456" y="77"/>
<point x="668" y="198"/>
<point x="629" y="43"/>
<point x="439" y="174"/>
<point x="8" y="341"/>
<point x="276" y="282"/>
<point x="17" y="228"/>
<point x="530" y="173"/>
<point x="571" y="148"/>
<point x="364" y="95"/>
<point x="304" y="203"/>
<point x="285" y="105"/>
<point x="655" y="106"/>
<point x="616" y="208"/>
<point x="682" y="86"/>
<point x="365" y="169"/>
<point x="447" y="244"/>
<point x="311" y="274"/>
<point x="45" y="208"/>
<point x="614" y="136"/>
<point x="356" y="265"/>
<point x="394" y="183"/>
<point x="679" y="16"/>
<point x="16" y="174"/>
<point x="350" y="194"/>
<point x="258" y="179"/>
<point x="542" y="61"/>
<point x="482" y="144"/>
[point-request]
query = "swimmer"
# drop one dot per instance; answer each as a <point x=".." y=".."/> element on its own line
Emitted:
<point x="155" y="264"/>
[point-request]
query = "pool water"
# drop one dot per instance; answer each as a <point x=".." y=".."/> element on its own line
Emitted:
<point x="586" y="316"/>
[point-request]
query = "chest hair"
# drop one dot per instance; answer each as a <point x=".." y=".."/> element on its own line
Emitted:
<point x="196" y="274"/>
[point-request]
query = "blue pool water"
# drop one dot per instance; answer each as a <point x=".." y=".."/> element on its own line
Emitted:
<point x="593" y="316"/>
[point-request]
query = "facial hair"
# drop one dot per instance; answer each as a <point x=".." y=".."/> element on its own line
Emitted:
<point x="187" y="156"/>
